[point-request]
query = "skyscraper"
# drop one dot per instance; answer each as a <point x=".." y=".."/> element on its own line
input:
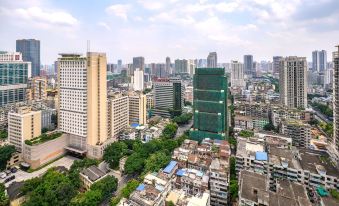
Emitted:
<point x="119" y="66"/>
<point x="30" y="49"/>
<point x="276" y="64"/>
<point x="138" y="80"/>
<point x="138" y="62"/>
<point x="210" y="104"/>
<point x="293" y="82"/>
<point x="180" y="66"/>
<point x="319" y="60"/>
<point x="335" y="141"/>
<point x="168" y="97"/>
<point x="168" y="66"/>
<point x="14" y="73"/>
<point x="83" y="101"/>
<point x="237" y="74"/>
<point x="248" y="65"/>
<point x="212" y="60"/>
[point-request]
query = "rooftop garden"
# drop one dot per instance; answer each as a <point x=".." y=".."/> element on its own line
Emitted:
<point x="43" y="138"/>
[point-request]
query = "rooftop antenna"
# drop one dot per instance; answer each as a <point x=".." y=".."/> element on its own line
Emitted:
<point x="88" y="45"/>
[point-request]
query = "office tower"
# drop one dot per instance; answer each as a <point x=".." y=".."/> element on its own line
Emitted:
<point x="138" y="62"/>
<point x="276" y="64"/>
<point x="138" y="80"/>
<point x="237" y="74"/>
<point x="293" y="82"/>
<point x="23" y="124"/>
<point x="212" y="60"/>
<point x="248" y="65"/>
<point x="118" y="114"/>
<point x="168" y="97"/>
<point x="39" y="88"/>
<point x="319" y="60"/>
<point x="119" y="67"/>
<point x="83" y="106"/>
<point x="14" y="74"/>
<point x="335" y="141"/>
<point x="137" y="108"/>
<point x="180" y="66"/>
<point x="168" y="66"/>
<point x="30" y="49"/>
<point x="191" y="66"/>
<point x="210" y="104"/>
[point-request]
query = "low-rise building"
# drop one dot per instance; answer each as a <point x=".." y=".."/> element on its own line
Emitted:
<point x="91" y="175"/>
<point x="298" y="131"/>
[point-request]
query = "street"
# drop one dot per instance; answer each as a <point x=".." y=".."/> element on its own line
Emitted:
<point x="181" y="129"/>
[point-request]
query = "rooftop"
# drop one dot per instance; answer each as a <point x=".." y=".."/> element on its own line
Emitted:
<point x="93" y="173"/>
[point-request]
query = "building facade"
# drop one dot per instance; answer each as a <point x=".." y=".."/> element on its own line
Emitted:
<point x="138" y="80"/>
<point x="319" y="61"/>
<point x="237" y="74"/>
<point x="137" y="108"/>
<point x="210" y="104"/>
<point x="118" y="114"/>
<point x="14" y="74"/>
<point x="212" y="60"/>
<point x="293" y="82"/>
<point x="138" y="62"/>
<point x="335" y="141"/>
<point x="30" y="49"/>
<point x="248" y="65"/>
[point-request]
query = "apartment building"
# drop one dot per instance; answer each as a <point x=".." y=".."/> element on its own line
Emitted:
<point x="278" y="114"/>
<point x="150" y="101"/>
<point x="137" y="108"/>
<point x="118" y="114"/>
<point x="298" y="131"/>
<point x="39" y="88"/>
<point x="23" y="124"/>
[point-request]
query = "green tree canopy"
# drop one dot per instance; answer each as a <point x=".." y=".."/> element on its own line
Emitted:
<point x="156" y="161"/>
<point x="6" y="153"/>
<point x="114" y="152"/>
<point x="4" y="201"/>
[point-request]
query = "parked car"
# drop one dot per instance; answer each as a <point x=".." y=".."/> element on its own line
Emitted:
<point x="14" y="170"/>
<point x="3" y="175"/>
<point x="10" y="178"/>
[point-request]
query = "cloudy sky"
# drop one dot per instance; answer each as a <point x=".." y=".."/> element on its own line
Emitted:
<point x="175" y="28"/>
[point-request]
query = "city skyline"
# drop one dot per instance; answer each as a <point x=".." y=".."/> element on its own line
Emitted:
<point x="126" y="29"/>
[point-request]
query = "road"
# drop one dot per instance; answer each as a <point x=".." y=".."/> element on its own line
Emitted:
<point x="321" y="115"/>
<point x="181" y="129"/>
<point x="20" y="175"/>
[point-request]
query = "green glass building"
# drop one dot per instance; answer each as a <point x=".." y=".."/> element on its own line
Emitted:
<point x="210" y="88"/>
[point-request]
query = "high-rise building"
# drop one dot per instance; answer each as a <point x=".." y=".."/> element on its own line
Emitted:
<point x="191" y="66"/>
<point x="138" y="80"/>
<point x="39" y="88"/>
<point x="138" y="62"/>
<point x="137" y="108"/>
<point x="276" y="64"/>
<point x="210" y="104"/>
<point x="119" y="66"/>
<point x="335" y="141"/>
<point x="168" y="97"/>
<point x="248" y="65"/>
<point x="293" y="82"/>
<point x="212" y="60"/>
<point x="180" y="66"/>
<point x="168" y="66"/>
<point x="237" y="74"/>
<point x="14" y="74"/>
<point x="23" y="124"/>
<point x="83" y="101"/>
<point x="30" y="49"/>
<point x="118" y="114"/>
<point x="319" y="60"/>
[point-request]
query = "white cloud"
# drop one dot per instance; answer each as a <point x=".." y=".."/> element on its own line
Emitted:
<point x="119" y="10"/>
<point x="43" y="17"/>
<point x="151" y="4"/>
<point x="105" y="25"/>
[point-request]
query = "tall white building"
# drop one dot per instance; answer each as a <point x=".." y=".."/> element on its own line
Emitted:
<point x="293" y="82"/>
<point x="212" y="60"/>
<point x="191" y="66"/>
<point x="83" y="101"/>
<point x="237" y="74"/>
<point x="319" y="61"/>
<point x="138" y="80"/>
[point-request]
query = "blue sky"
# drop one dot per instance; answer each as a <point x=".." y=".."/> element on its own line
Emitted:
<point x="175" y="28"/>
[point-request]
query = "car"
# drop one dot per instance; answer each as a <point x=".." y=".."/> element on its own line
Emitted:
<point x="10" y="178"/>
<point x="8" y="172"/>
<point x="3" y="175"/>
<point x="14" y="170"/>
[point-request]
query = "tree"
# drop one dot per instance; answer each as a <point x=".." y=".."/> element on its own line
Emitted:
<point x="129" y="188"/>
<point x="183" y="119"/>
<point x="3" y="134"/>
<point x="170" y="130"/>
<point x="156" y="161"/>
<point x="134" y="164"/>
<point x="114" y="152"/>
<point x="232" y="141"/>
<point x="246" y="133"/>
<point x="77" y="166"/>
<point x="269" y="127"/>
<point x="234" y="190"/>
<point x="89" y="198"/>
<point x="53" y="188"/>
<point x="107" y="185"/>
<point x="4" y="201"/>
<point x="5" y="155"/>
<point x="44" y="130"/>
<point x="169" y="203"/>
